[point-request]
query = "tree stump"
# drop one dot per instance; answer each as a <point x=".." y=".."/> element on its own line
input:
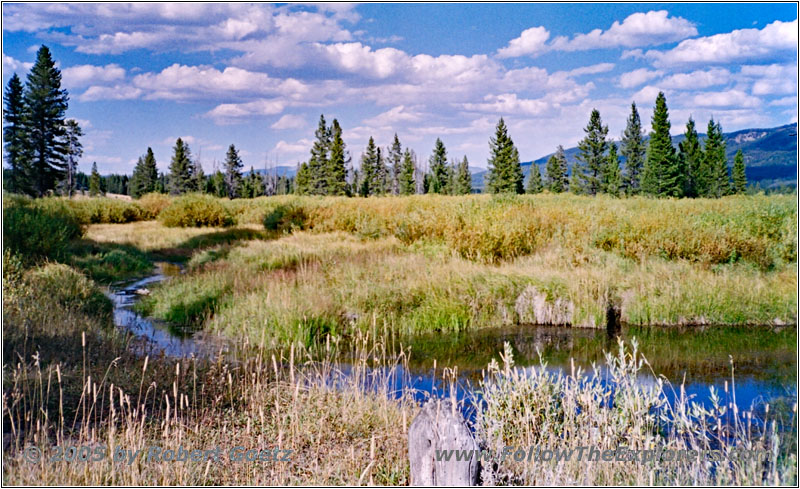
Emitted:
<point x="440" y="426"/>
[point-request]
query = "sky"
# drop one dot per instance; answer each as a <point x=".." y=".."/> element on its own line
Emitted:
<point x="260" y="75"/>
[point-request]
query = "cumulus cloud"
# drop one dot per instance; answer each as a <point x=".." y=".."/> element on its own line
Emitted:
<point x="775" y="40"/>
<point x="116" y="92"/>
<point x="530" y="43"/>
<point x="637" y="77"/>
<point x="395" y="115"/>
<point x="727" y="98"/>
<point x="509" y="103"/>
<point x="83" y="75"/>
<point x="638" y="29"/>
<point x="227" y="113"/>
<point x="289" y="121"/>
<point x="697" y="79"/>
<point x="11" y="64"/>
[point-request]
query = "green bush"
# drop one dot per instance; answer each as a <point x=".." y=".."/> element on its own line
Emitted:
<point x="152" y="204"/>
<point x="71" y="289"/>
<point x="195" y="210"/>
<point x="36" y="232"/>
<point x="286" y="218"/>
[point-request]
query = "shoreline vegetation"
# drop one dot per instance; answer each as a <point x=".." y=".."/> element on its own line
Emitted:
<point x="286" y="277"/>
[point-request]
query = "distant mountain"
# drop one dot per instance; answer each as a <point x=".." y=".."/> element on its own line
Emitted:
<point x="281" y="171"/>
<point x="770" y="155"/>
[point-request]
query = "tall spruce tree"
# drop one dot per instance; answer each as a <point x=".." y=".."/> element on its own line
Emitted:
<point x="463" y="178"/>
<point x="337" y="163"/>
<point x="407" y="184"/>
<point x="505" y="171"/>
<point x="369" y="174"/>
<point x="198" y="176"/>
<point x="634" y="150"/>
<point x="180" y="169"/>
<point x="440" y="173"/>
<point x="691" y="157"/>
<point x="233" y="172"/>
<point x="715" y="162"/>
<point x="18" y="151"/>
<point x="612" y="175"/>
<point x="556" y="171"/>
<point x="95" y="181"/>
<point x="535" y="185"/>
<point x="145" y="175"/>
<point x="72" y="138"/>
<point x="394" y="159"/>
<point x="46" y="104"/>
<point x="302" y="179"/>
<point x="739" y="176"/>
<point x="661" y="176"/>
<point x="592" y="156"/>
<point x="318" y="162"/>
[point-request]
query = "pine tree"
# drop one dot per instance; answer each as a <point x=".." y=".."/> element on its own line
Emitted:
<point x="535" y="185"/>
<point x="716" y="163"/>
<point x="634" y="150"/>
<point x="739" y="176"/>
<point x="72" y="135"/>
<point x="691" y="157"/>
<point x="46" y="105"/>
<point x="233" y="172"/>
<point x="556" y="170"/>
<point x="369" y="169"/>
<point x="302" y="180"/>
<point x="180" y="169"/>
<point x="574" y="178"/>
<point x="95" y="186"/>
<point x="18" y="151"/>
<point x="145" y="175"/>
<point x="612" y="175"/>
<point x="439" y="171"/>
<point x="217" y="184"/>
<point x="463" y="180"/>
<point x="318" y="162"/>
<point x="394" y="159"/>
<point x="337" y="164"/>
<point x="591" y="155"/>
<point x="505" y="171"/>
<point x="406" y="182"/>
<point x="198" y="176"/>
<point x="661" y="176"/>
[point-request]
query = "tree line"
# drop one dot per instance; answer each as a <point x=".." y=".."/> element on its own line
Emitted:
<point x="43" y="148"/>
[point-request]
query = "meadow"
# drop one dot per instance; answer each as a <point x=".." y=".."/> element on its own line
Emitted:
<point x="294" y="282"/>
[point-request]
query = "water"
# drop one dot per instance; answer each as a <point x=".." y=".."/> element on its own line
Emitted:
<point x="761" y="361"/>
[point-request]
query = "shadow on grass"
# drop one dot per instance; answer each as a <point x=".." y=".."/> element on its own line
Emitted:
<point x="184" y="251"/>
<point x="108" y="262"/>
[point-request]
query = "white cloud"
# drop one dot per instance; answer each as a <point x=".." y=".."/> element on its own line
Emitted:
<point x="227" y="113"/>
<point x="509" y="103"/>
<point x="697" y="79"/>
<point x="727" y="98"/>
<point x="393" y="116"/>
<point x="772" y="79"/>
<point x="591" y="69"/>
<point x="289" y="121"/>
<point x="776" y="40"/>
<point x="116" y="92"/>
<point x="530" y="43"/>
<point x="637" y="77"/>
<point x="638" y="29"/>
<point x="83" y="75"/>
<point x="11" y="64"/>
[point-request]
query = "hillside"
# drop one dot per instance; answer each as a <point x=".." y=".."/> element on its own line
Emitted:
<point x="770" y="155"/>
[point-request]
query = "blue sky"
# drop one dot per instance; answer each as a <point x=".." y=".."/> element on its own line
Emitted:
<point x="259" y="76"/>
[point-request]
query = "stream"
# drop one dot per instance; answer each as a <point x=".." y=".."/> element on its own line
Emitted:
<point x="763" y="359"/>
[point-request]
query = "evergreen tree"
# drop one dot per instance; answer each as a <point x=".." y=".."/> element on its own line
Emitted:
<point x="591" y="155"/>
<point x="318" y="163"/>
<point x="233" y="172"/>
<point x="406" y="182"/>
<point x="556" y="170"/>
<point x="574" y="178"/>
<point x="691" y="158"/>
<point x="302" y="180"/>
<point x="534" y="180"/>
<point x="18" y="151"/>
<point x="162" y="186"/>
<point x="739" y="176"/>
<point x="505" y="171"/>
<point x="394" y="159"/>
<point x="72" y="135"/>
<point x="716" y="164"/>
<point x="95" y="187"/>
<point x="463" y="179"/>
<point x="439" y="170"/>
<point x="634" y="150"/>
<point x="661" y="176"/>
<point x="217" y="185"/>
<point x="46" y="105"/>
<point x="180" y="169"/>
<point x="337" y="165"/>
<point x="145" y="175"/>
<point x="612" y="175"/>
<point x="370" y="173"/>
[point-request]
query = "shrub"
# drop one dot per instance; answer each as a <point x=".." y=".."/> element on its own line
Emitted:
<point x="36" y="232"/>
<point x="71" y="289"/>
<point x="195" y="210"/>
<point x="286" y="218"/>
<point x="152" y="204"/>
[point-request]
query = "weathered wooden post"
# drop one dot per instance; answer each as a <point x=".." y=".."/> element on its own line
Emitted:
<point x="440" y="426"/>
